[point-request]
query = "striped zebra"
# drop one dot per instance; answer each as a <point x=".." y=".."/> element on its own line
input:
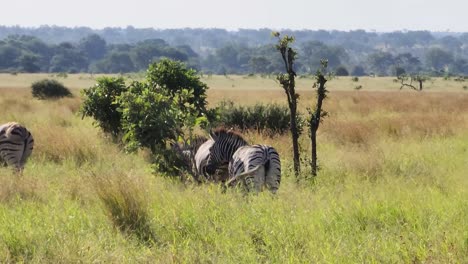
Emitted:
<point x="255" y="165"/>
<point x="195" y="156"/>
<point x="16" y="144"/>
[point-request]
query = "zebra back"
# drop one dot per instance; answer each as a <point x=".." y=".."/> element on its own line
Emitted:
<point x="226" y="144"/>
<point x="16" y="144"/>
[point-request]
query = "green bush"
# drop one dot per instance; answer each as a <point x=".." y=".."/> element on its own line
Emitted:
<point x="100" y="103"/>
<point x="172" y="77"/>
<point x="269" y="118"/>
<point x="170" y="101"/>
<point x="149" y="118"/>
<point x="49" y="89"/>
<point x="156" y="111"/>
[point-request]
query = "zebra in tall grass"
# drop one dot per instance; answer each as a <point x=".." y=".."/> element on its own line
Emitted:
<point x="16" y="145"/>
<point x="254" y="165"/>
<point x="195" y="156"/>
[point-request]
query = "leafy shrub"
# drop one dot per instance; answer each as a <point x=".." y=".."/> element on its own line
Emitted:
<point x="155" y="111"/>
<point x="270" y="118"/>
<point x="149" y="118"/>
<point x="172" y="77"/>
<point x="150" y="113"/>
<point x="100" y="103"/>
<point x="49" y="89"/>
<point x="355" y="79"/>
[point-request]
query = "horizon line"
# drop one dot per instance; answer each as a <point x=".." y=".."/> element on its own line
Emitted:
<point x="232" y="29"/>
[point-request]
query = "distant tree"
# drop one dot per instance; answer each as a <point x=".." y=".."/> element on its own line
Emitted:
<point x="93" y="46"/>
<point x="420" y="37"/>
<point x="438" y="59"/>
<point x="145" y="52"/>
<point x="68" y="59"/>
<point x="29" y="63"/>
<point x="115" y="62"/>
<point x="358" y="71"/>
<point x="381" y="62"/>
<point x="268" y="52"/>
<point x="228" y="57"/>
<point x="407" y="62"/>
<point x="341" y="71"/>
<point x="314" y="51"/>
<point x="459" y="66"/>
<point x="9" y="56"/>
<point x="187" y="50"/>
<point x="399" y="71"/>
<point x="451" y="43"/>
<point x="259" y="64"/>
<point x="407" y="81"/>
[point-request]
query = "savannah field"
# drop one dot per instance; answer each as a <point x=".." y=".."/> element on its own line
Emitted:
<point x="393" y="184"/>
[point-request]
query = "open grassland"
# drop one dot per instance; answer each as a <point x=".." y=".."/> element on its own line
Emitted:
<point x="393" y="187"/>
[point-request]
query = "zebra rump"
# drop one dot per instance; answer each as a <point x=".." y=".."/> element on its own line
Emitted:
<point x="256" y="166"/>
<point x="16" y="145"/>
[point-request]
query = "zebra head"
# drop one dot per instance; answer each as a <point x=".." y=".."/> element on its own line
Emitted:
<point x="186" y="150"/>
<point x="226" y="142"/>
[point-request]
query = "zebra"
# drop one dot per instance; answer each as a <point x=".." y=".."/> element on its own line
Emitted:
<point x="195" y="156"/>
<point x="16" y="145"/>
<point x="255" y="165"/>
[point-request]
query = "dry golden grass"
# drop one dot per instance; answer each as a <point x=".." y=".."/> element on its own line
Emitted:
<point x="15" y="187"/>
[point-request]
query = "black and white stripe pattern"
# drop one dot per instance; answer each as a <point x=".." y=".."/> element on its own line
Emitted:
<point x="255" y="165"/>
<point x="16" y="145"/>
<point x="195" y="156"/>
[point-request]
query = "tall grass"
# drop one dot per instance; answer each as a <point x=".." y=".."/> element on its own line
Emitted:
<point x="392" y="189"/>
<point x="124" y="199"/>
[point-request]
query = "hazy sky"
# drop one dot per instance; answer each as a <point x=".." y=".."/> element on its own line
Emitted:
<point x="380" y="15"/>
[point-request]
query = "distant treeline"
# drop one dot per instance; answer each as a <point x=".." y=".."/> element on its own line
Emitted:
<point x="218" y="51"/>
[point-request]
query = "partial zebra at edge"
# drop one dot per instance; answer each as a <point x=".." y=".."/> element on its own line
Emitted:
<point x="16" y="145"/>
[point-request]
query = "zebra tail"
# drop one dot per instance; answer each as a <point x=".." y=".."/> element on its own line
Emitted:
<point x="243" y="175"/>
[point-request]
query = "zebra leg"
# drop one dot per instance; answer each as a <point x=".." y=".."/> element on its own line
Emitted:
<point x="259" y="179"/>
<point x="273" y="173"/>
<point x="272" y="181"/>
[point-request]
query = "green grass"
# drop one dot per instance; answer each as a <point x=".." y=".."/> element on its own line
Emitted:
<point x="392" y="189"/>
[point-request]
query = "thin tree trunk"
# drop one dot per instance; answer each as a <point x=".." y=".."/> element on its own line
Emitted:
<point x="313" y="140"/>
<point x="315" y="122"/>
<point x="295" y="141"/>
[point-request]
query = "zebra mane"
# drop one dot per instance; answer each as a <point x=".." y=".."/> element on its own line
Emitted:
<point x="222" y="132"/>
